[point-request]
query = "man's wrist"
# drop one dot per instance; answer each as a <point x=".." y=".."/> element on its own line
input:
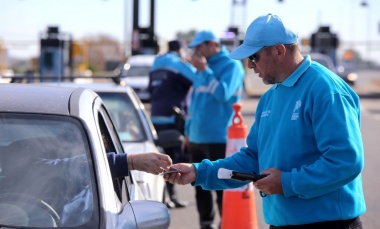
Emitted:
<point x="130" y="162"/>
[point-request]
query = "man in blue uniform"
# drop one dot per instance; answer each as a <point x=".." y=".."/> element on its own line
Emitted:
<point x="169" y="83"/>
<point x="217" y="85"/>
<point x="306" y="137"/>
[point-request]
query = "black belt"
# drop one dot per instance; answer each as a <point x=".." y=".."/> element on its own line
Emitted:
<point x="337" y="224"/>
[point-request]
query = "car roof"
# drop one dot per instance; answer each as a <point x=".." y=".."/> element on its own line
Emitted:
<point x="29" y="98"/>
<point x="32" y="98"/>
<point x="100" y="88"/>
<point x="96" y="86"/>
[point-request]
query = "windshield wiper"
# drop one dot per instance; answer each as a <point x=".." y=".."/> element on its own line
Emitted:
<point x="9" y="226"/>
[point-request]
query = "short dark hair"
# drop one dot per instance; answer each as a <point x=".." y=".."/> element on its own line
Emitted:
<point x="291" y="47"/>
<point x="174" y="45"/>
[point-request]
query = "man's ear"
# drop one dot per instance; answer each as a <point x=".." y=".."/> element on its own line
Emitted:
<point x="212" y="43"/>
<point x="280" y="49"/>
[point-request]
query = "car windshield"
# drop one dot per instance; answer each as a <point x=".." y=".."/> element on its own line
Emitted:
<point x="45" y="172"/>
<point x="138" y="71"/>
<point x="124" y="116"/>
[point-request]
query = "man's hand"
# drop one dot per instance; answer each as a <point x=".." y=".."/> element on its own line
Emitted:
<point x="199" y="62"/>
<point x="149" y="162"/>
<point x="185" y="143"/>
<point x="270" y="184"/>
<point x="186" y="175"/>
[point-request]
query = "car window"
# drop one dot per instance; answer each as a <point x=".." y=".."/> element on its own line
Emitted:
<point x="151" y="132"/>
<point x="122" y="186"/>
<point x="124" y="116"/>
<point x="46" y="175"/>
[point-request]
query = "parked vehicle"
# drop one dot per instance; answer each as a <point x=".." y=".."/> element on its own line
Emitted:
<point x="135" y="73"/>
<point x="53" y="166"/>
<point x="349" y="76"/>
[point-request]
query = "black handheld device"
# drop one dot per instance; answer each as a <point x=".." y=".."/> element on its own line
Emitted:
<point x="229" y="174"/>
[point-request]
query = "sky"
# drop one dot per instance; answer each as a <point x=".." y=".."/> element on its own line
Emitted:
<point x="23" y="21"/>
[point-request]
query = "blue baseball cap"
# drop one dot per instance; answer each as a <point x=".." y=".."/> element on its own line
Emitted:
<point x="203" y="36"/>
<point x="264" y="31"/>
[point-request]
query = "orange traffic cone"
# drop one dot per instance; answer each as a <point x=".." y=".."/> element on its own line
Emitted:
<point x="239" y="207"/>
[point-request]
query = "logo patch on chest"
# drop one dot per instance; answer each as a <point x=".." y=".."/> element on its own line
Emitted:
<point x="295" y="115"/>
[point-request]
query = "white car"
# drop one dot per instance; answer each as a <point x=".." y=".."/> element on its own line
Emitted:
<point x="135" y="73"/>
<point x="135" y="130"/>
<point x="54" y="171"/>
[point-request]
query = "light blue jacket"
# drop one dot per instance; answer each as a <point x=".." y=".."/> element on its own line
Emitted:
<point x="214" y="92"/>
<point x="308" y="127"/>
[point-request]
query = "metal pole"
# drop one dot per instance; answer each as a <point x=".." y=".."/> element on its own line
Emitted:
<point x="152" y="17"/>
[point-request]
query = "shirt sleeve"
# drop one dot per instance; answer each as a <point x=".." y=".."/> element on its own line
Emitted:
<point x="226" y="84"/>
<point x="118" y="164"/>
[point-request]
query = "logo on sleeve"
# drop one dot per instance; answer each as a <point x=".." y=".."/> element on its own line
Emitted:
<point x="295" y="115"/>
<point x="265" y="113"/>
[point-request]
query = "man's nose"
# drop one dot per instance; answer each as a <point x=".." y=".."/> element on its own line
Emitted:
<point x="251" y="64"/>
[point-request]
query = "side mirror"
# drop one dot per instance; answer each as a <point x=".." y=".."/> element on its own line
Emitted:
<point x="169" y="138"/>
<point x="147" y="214"/>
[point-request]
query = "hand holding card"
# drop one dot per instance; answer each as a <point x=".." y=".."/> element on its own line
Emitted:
<point x="171" y="170"/>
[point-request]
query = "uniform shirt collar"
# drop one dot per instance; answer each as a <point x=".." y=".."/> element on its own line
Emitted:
<point x="293" y="78"/>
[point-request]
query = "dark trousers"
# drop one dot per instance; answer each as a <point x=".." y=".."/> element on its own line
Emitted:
<point x="205" y="202"/>
<point x="338" y="224"/>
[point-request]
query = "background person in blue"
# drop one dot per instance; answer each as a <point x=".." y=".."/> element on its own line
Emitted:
<point x="217" y="85"/>
<point x="306" y="137"/>
<point x="169" y="83"/>
<point x="170" y="79"/>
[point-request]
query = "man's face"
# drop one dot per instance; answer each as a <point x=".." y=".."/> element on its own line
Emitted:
<point x="203" y="49"/>
<point x="263" y="63"/>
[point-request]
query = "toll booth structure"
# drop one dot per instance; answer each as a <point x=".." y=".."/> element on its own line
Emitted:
<point x="144" y="40"/>
<point x="325" y="42"/>
<point x="55" y="54"/>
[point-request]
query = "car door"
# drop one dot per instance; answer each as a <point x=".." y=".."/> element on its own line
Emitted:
<point x="122" y="186"/>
